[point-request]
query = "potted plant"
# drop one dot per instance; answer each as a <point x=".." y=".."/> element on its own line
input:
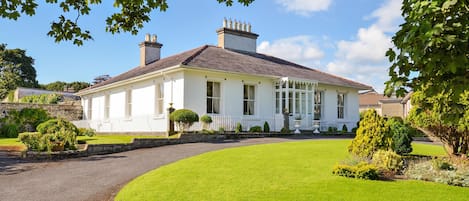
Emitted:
<point x="297" y="124"/>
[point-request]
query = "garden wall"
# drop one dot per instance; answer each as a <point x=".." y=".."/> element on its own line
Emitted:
<point x="70" y="112"/>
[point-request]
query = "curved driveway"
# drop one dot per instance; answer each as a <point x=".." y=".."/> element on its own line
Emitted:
<point x="96" y="177"/>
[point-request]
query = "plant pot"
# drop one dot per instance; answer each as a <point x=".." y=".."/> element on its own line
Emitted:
<point x="297" y="126"/>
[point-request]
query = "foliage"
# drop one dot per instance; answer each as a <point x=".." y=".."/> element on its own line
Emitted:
<point x="400" y="132"/>
<point x="238" y="128"/>
<point x="440" y="121"/>
<point x="206" y="120"/>
<point x="61" y="133"/>
<point x="32" y="140"/>
<point x="344" y="128"/>
<point x="425" y="170"/>
<point x="255" y="129"/>
<point x="372" y="135"/>
<point x="441" y="164"/>
<point x="64" y="86"/>
<point x="184" y="118"/>
<point x="9" y="130"/>
<point x="25" y="120"/>
<point x="16" y="69"/>
<point x="432" y="47"/>
<point x="388" y="161"/>
<point x="42" y="99"/>
<point x="331" y="129"/>
<point x="285" y="130"/>
<point x="86" y="132"/>
<point x="362" y="170"/>
<point x="221" y="130"/>
<point x="131" y="16"/>
<point x="266" y="127"/>
<point x="100" y="79"/>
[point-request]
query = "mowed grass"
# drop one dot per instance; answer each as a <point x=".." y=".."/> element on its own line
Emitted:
<point x="282" y="171"/>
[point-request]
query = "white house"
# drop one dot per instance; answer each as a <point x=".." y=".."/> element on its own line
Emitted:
<point x="231" y="82"/>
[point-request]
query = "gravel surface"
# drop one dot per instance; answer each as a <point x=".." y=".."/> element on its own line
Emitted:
<point x="97" y="177"/>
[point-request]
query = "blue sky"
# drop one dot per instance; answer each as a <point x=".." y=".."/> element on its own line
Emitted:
<point x="343" y="37"/>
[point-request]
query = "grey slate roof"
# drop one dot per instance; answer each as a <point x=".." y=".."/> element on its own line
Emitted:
<point x="235" y="61"/>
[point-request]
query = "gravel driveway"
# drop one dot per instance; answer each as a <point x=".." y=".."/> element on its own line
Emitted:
<point x="96" y="177"/>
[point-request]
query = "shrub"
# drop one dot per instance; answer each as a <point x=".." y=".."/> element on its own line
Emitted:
<point x="388" y="160"/>
<point x="266" y="127"/>
<point x="31" y="140"/>
<point x="354" y="130"/>
<point x="63" y="133"/>
<point x="86" y="132"/>
<point x="285" y="130"/>
<point x="9" y="130"/>
<point x="400" y="135"/>
<point x="425" y="170"/>
<point x="238" y="128"/>
<point x="332" y="129"/>
<point x="206" y="120"/>
<point x="42" y="99"/>
<point x="184" y="118"/>
<point x="33" y="117"/>
<point x="255" y="129"/>
<point x="441" y="164"/>
<point x="371" y="136"/>
<point x="55" y="125"/>
<point x="221" y="130"/>
<point x="362" y="170"/>
<point x="344" y="128"/>
<point x="207" y="131"/>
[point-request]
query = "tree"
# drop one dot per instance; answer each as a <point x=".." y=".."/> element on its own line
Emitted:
<point x="431" y="57"/>
<point x="184" y="118"/>
<point x="16" y="70"/>
<point x="100" y="79"/>
<point x="64" y="86"/>
<point x="372" y="135"/>
<point x="130" y="18"/>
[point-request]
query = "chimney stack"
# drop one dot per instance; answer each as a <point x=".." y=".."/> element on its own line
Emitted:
<point x="237" y="35"/>
<point x="150" y="50"/>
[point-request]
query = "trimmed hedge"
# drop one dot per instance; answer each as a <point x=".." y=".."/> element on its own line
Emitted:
<point x="362" y="170"/>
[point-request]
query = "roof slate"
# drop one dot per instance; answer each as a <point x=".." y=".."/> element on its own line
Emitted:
<point x="235" y="61"/>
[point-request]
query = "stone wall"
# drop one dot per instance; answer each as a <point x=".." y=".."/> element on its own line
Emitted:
<point x="71" y="112"/>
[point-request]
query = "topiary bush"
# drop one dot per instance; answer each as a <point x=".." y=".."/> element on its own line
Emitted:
<point x="372" y="135"/>
<point x="238" y="128"/>
<point x="255" y="129"/>
<point x="206" y="121"/>
<point x="184" y="118"/>
<point x="266" y="127"/>
<point x="344" y="129"/>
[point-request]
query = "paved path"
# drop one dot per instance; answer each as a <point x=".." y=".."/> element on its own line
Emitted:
<point x="96" y="177"/>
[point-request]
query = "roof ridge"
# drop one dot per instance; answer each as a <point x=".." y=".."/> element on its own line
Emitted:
<point x="197" y="53"/>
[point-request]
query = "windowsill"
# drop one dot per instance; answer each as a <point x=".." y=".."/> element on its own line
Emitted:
<point x="159" y="116"/>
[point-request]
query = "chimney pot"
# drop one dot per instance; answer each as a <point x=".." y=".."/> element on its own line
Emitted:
<point x="153" y="38"/>
<point x="224" y="22"/>
<point x="147" y="37"/>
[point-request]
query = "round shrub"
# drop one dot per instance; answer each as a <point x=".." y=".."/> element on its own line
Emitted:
<point x="388" y="160"/>
<point x="372" y="135"/>
<point x="64" y="133"/>
<point x="266" y="127"/>
<point x="184" y="118"/>
<point x="55" y="125"/>
<point x="255" y="129"/>
<point x="344" y="129"/>
<point x="206" y="119"/>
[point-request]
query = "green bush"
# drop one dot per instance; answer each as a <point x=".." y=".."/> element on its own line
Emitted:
<point x="238" y="128"/>
<point x="426" y="171"/>
<point x="400" y="132"/>
<point x="221" y="130"/>
<point x="332" y="129"/>
<point x="32" y="140"/>
<point x="441" y="164"/>
<point x="64" y="133"/>
<point x="388" y="160"/>
<point x="354" y="130"/>
<point x="285" y="130"/>
<point x="344" y="128"/>
<point x="362" y="170"/>
<point x="372" y="135"/>
<point x="24" y="120"/>
<point x="206" y="121"/>
<point x="9" y="130"/>
<point x="184" y="118"/>
<point x="266" y="127"/>
<point x="86" y="132"/>
<point x="42" y="99"/>
<point x="255" y="129"/>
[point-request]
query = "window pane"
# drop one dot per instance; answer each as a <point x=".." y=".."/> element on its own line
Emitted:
<point x="297" y="102"/>
<point x="209" y="105"/>
<point x="209" y="89"/>
<point x="216" y="89"/>
<point x="245" y="107"/>
<point x="251" y="93"/>
<point x="245" y="92"/>
<point x="277" y="102"/>
<point x="303" y="103"/>
<point x="310" y="103"/>
<point x="216" y="106"/>
<point x="251" y="107"/>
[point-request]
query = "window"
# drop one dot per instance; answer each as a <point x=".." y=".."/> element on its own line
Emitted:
<point x="159" y="98"/>
<point x="128" y="103"/>
<point x="106" y="106"/>
<point x="249" y="99"/>
<point x="340" y="105"/>
<point x="213" y="97"/>
<point x="317" y="105"/>
<point x="277" y="102"/>
<point x="90" y="108"/>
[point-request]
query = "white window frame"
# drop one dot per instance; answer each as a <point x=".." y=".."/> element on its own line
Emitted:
<point x="320" y="104"/>
<point x="107" y="106"/>
<point x="249" y="100"/>
<point x="89" y="115"/>
<point x="341" y="108"/>
<point x="207" y="97"/>
<point x="128" y="103"/>
<point x="159" y="99"/>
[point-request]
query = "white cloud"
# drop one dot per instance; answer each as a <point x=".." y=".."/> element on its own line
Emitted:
<point x="300" y="49"/>
<point x="304" y="7"/>
<point x="363" y="59"/>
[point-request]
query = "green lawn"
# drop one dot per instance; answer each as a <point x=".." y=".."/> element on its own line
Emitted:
<point x="10" y="142"/>
<point x="283" y="171"/>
